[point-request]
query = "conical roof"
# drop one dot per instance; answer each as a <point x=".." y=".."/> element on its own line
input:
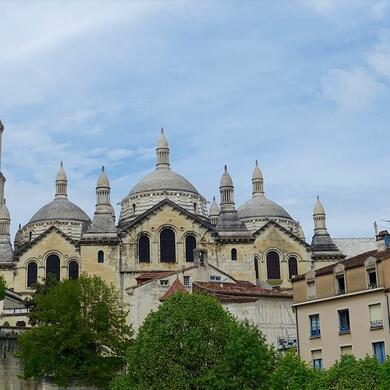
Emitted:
<point x="103" y="180"/>
<point x="214" y="208"/>
<point x="226" y="179"/>
<point x="318" y="207"/>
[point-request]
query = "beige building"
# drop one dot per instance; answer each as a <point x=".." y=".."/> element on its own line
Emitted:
<point x="162" y="220"/>
<point x="269" y="309"/>
<point x="343" y="308"/>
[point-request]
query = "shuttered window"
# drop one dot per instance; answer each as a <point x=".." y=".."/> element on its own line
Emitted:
<point x="273" y="265"/>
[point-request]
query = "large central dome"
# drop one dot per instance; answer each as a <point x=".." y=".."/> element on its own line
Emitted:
<point x="260" y="206"/>
<point x="163" y="179"/>
<point x="160" y="184"/>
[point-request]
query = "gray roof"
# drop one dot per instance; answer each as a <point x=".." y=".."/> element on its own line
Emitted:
<point x="163" y="179"/>
<point x="60" y="209"/>
<point x="260" y="206"/>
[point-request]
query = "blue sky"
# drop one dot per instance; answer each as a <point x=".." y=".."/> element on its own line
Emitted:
<point x="302" y="86"/>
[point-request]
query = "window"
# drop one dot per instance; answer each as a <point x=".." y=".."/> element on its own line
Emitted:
<point x="100" y="257"/>
<point x="233" y="254"/>
<point x="164" y="283"/>
<point x="273" y="265"/>
<point x="30" y="236"/>
<point x="144" y="249"/>
<point x="257" y="273"/>
<point x="316" y="357"/>
<point x="215" y="278"/>
<point x="186" y="279"/>
<point x="167" y="246"/>
<point x="32" y="274"/>
<point x="371" y="276"/>
<point x="292" y="267"/>
<point x="346" y="350"/>
<point x="53" y="267"/>
<point x="379" y="351"/>
<point x="315" y="330"/>
<point x="344" y="324"/>
<point x="73" y="270"/>
<point x="134" y="208"/>
<point x="190" y="246"/>
<point x="195" y="208"/>
<point x="375" y="313"/>
<point x="340" y="284"/>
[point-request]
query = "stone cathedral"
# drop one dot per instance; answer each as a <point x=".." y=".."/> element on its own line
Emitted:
<point x="163" y="220"/>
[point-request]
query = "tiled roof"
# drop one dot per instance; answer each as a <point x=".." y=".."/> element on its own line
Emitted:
<point x="227" y="291"/>
<point x="148" y="276"/>
<point x="352" y="262"/>
<point x="176" y="286"/>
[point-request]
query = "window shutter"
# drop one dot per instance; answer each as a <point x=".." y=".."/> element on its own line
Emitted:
<point x="375" y="312"/>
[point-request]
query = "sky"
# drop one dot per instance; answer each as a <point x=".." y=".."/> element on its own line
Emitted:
<point x="302" y="86"/>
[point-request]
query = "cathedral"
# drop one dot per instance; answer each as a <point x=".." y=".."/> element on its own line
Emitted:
<point x="163" y="221"/>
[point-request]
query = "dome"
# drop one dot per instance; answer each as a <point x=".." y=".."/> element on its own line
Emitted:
<point x="4" y="213"/>
<point x="163" y="179"/>
<point x="261" y="207"/>
<point x="60" y="209"/>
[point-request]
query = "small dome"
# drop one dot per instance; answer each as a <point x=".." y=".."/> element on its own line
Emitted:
<point x="163" y="179"/>
<point x="257" y="172"/>
<point x="60" y="209"/>
<point x="261" y="207"/>
<point x="214" y="208"/>
<point x="103" y="180"/>
<point x="61" y="175"/>
<point x="4" y="212"/>
<point x="226" y="180"/>
<point x="318" y="208"/>
<point x="162" y="142"/>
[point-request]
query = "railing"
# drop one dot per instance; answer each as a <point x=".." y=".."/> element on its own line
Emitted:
<point x="344" y="329"/>
<point x="340" y="292"/>
<point x="287" y="342"/>
<point x="372" y="285"/>
<point x="315" y="332"/>
<point x="377" y="324"/>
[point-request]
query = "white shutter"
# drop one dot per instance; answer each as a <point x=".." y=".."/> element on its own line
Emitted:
<point x="375" y="312"/>
<point x="317" y="354"/>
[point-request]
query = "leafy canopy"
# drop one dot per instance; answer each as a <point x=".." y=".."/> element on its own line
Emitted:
<point x="191" y="342"/>
<point x="80" y="334"/>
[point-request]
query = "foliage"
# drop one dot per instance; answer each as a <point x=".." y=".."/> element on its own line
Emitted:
<point x="80" y="333"/>
<point x="292" y="373"/>
<point x="191" y="342"/>
<point x="3" y="286"/>
<point x="353" y="374"/>
<point x="385" y="375"/>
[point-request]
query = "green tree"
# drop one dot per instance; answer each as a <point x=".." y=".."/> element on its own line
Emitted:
<point x="353" y="374"/>
<point x="80" y="333"/>
<point x="292" y="373"/>
<point x="3" y="286"/>
<point x="191" y="342"/>
<point x="385" y="375"/>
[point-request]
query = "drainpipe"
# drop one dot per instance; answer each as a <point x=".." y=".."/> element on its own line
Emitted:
<point x="295" y="309"/>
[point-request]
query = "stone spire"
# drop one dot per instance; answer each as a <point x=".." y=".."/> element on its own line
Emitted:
<point x="257" y="181"/>
<point x="162" y="152"/>
<point x="214" y="211"/>
<point x="6" y="252"/>
<point x="319" y="218"/>
<point x="104" y="217"/>
<point x="61" y="183"/>
<point x="226" y="189"/>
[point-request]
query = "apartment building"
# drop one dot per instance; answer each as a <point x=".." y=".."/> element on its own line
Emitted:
<point x="343" y="308"/>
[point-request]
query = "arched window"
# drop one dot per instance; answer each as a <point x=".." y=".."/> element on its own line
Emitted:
<point x="134" y="208"/>
<point x="257" y="272"/>
<point x="144" y="249"/>
<point x="53" y="267"/>
<point x="190" y="246"/>
<point x="32" y="274"/>
<point x="30" y="236"/>
<point x="292" y="267"/>
<point x="73" y="270"/>
<point x="273" y="265"/>
<point x="100" y="257"/>
<point x="167" y="246"/>
<point x="233" y="254"/>
<point x="195" y="208"/>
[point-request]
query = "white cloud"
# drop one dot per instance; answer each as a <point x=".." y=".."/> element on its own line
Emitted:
<point x="353" y="88"/>
<point x="379" y="58"/>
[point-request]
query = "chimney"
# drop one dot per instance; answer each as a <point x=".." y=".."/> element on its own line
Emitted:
<point x="200" y="257"/>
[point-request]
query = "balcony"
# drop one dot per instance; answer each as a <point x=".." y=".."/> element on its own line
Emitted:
<point x="377" y="324"/>
<point x="315" y="333"/>
<point x="344" y="329"/>
<point x="287" y="343"/>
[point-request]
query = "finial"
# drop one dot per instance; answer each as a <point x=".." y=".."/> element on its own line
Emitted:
<point x="102" y="168"/>
<point x="20" y="226"/>
<point x="162" y="130"/>
<point x="225" y="168"/>
<point x="318" y="197"/>
<point x="5" y="201"/>
<point x="61" y="164"/>
<point x="257" y="163"/>
<point x="1" y="126"/>
<point x="214" y="198"/>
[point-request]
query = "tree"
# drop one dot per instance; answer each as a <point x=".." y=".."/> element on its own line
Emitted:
<point x="80" y="333"/>
<point x="292" y="373"/>
<point x="191" y="342"/>
<point x="3" y="286"/>
<point x="385" y="375"/>
<point x="353" y="374"/>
